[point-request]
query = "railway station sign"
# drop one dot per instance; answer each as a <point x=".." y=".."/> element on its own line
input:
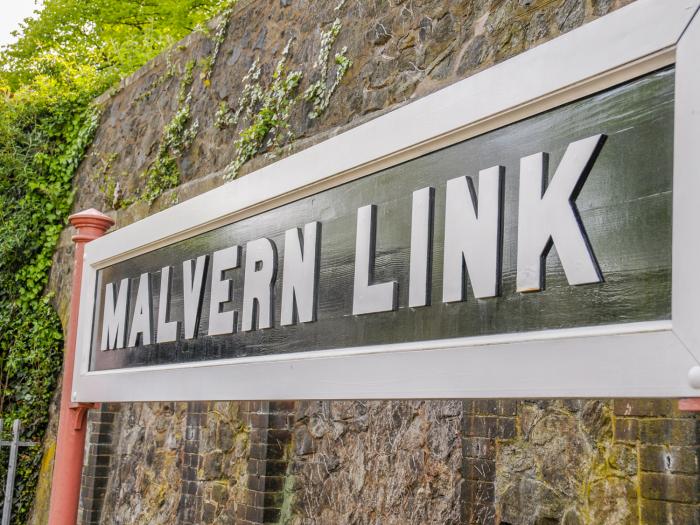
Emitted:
<point x="526" y="232"/>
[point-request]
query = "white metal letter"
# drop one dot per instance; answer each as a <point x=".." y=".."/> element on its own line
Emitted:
<point x="114" y="317"/>
<point x="141" y="320"/>
<point x="421" y="247"/>
<point x="260" y="271"/>
<point x="167" y="330"/>
<point x="550" y="217"/>
<point x="473" y="235"/>
<point x="369" y="298"/>
<point x="193" y="293"/>
<point x="300" y="274"/>
<point x="221" y="291"/>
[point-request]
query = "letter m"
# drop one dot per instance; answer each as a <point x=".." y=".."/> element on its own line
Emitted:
<point x="114" y="316"/>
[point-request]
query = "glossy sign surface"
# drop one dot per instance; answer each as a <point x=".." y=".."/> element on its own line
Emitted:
<point x="624" y="206"/>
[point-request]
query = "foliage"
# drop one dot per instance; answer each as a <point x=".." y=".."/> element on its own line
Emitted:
<point x="319" y="93"/>
<point x="178" y="134"/>
<point x="65" y="56"/>
<point x="114" y="37"/>
<point x="267" y="110"/>
<point x="43" y="138"/>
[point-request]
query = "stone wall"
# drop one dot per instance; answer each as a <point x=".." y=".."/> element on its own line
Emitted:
<point x="328" y="462"/>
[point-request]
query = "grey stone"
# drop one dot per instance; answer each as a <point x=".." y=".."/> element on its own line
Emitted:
<point x="303" y="442"/>
<point x="212" y="465"/>
<point x="260" y="41"/>
<point x="225" y="438"/>
<point x="601" y="7"/>
<point x="219" y="493"/>
<point x="379" y="34"/>
<point x="473" y="55"/>
<point x="571" y="14"/>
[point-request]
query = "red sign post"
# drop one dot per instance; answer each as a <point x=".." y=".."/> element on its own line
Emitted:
<point x="70" y="445"/>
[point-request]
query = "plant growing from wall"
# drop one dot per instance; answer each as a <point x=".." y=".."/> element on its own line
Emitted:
<point x="164" y="174"/>
<point x="178" y="134"/>
<point x="219" y="36"/>
<point x="319" y="93"/>
<point x="267" y="110"/>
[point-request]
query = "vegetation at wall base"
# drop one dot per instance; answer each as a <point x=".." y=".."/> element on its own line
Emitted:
<point x="63" y="58"/>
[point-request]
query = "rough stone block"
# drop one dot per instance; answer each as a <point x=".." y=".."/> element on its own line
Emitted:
<point x="212" y="465"/>
<point x="479" y="447"/>
<point x="663" y="512"/>
<point x="675" y="459"/>
<point x="626" y="429"/>
<point x="208" y="512"/>
<point x="669" y="431"/>
<point x="643" y="407"/>
<point x="225" y="436"/>
<point x="303" y="442"/>
<point x="669" y="487"/>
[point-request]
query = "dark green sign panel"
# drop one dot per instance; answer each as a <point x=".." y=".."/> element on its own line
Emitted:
<point x="347" y="251"/>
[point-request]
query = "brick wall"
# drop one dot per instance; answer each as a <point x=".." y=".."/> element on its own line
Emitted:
<point x="666" y="442"/>
<point x="522" y="462"/>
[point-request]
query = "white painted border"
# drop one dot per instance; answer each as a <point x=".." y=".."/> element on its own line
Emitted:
<point x="627" y="360"/>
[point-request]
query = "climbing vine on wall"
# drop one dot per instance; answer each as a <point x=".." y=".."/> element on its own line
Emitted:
<point x="164" y="173"/>
<point x="42" y="141"/>
<point x="319" y="93"/>
<point x="267" y="110"/>
<point x="178" y="134"/>
<point x="262" y="111"/>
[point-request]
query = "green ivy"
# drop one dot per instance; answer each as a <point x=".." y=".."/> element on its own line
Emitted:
<point x="178" y="134"/>
<point x="319" y="93"/>
<point x="41" y="146"/>
<point x="267" y="111"/>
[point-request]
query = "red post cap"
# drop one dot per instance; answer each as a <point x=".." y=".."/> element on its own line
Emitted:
<point x="689" y="404"/>
<point x="90" y="224"/>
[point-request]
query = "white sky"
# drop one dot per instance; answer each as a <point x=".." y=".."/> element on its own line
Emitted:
<point x="12" y="12"/>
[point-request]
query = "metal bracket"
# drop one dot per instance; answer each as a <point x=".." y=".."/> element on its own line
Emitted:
<point x="79" y="412"/>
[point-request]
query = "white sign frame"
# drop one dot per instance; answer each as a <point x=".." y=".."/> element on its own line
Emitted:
<point x="646" y="359"/>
